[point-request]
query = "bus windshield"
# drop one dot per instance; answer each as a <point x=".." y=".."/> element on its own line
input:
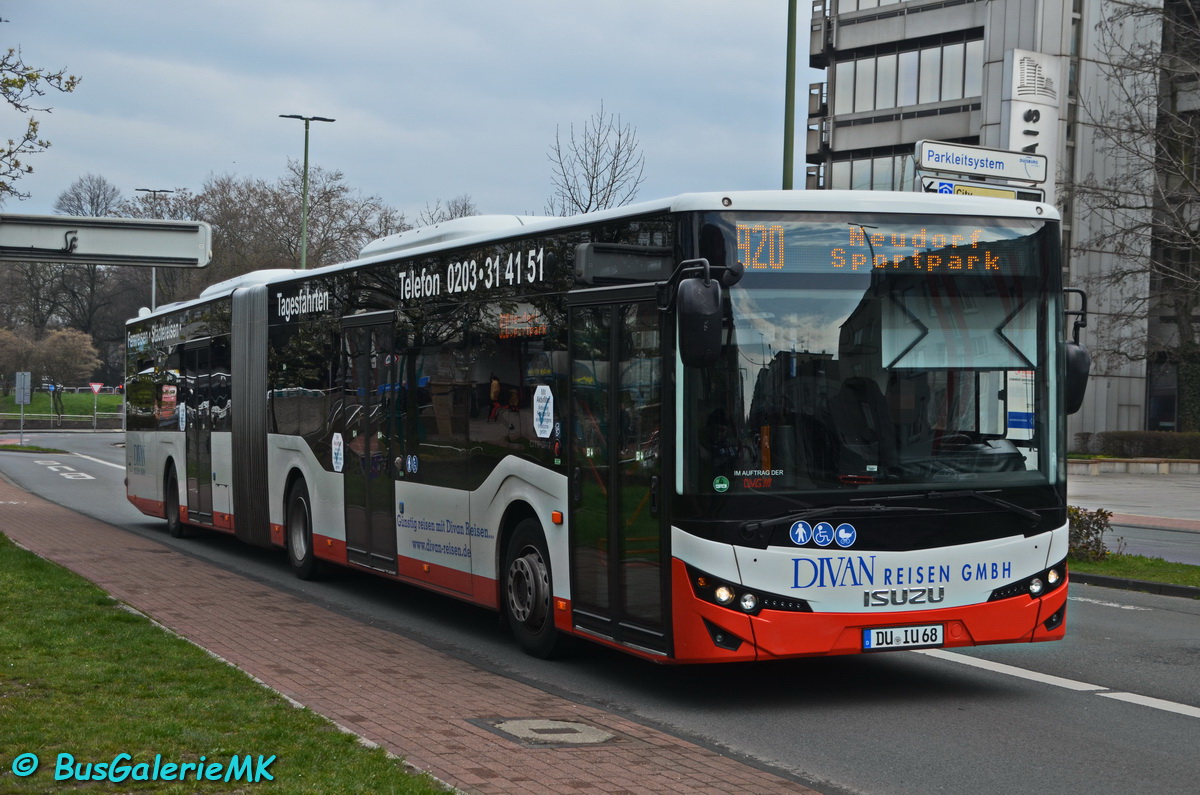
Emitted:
<point x="884" y="353"/>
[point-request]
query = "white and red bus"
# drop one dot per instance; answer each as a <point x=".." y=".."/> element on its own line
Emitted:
<point x="717" y="427"/>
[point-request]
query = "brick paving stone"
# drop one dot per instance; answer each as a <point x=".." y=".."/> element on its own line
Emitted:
<point x="423" y="717"/>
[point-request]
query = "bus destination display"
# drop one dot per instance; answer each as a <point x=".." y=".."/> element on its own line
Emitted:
<point x="920" y="248"/>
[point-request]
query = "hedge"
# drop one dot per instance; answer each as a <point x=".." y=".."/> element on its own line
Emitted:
<point x="1139" y="444"/>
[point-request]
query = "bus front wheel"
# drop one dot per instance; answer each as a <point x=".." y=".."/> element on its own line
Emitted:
<point x="527" y="593"/>
<point x="299" y="533"/>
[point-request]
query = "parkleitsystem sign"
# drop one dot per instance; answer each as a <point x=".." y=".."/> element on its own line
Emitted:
<point x="977" y="161"/>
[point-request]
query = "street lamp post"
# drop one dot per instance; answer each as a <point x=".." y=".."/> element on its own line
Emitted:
<point x="789" y="103"/>
<point x="153" y="270"/>
<point x="304" y="189"/>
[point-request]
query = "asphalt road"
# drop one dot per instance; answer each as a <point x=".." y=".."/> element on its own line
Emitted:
<point x="1115" y="708"/>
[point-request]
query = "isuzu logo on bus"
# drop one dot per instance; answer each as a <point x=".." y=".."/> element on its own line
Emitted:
<point x="903" y="596"/>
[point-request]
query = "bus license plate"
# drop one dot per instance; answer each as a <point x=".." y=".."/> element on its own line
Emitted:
<point x="902" y="637"/>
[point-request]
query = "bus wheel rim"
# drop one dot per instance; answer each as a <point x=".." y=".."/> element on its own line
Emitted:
<point x="528" y="588"/>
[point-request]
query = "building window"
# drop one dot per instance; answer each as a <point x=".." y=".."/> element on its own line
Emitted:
<point x="885" y="81"/>
<point x="843" y="87"/>
<point x="953" y="60"/>
<point x="839" y="178"/>
<point x="864" y="85"/>
<point x="906" y="85"/>
<point x="884" y="172"/>
<point x="890" y="80"/>
<point x="930" y="78"/>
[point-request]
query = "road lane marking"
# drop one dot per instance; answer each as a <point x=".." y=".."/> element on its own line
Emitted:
<point x="1068" y="684"/>
<point x="1011" y="670"/>
<point x="68" y="472"/>
<point x="1106" y="604"/>
<point x="101" y="461"/>
<point x="1156" y="703"/>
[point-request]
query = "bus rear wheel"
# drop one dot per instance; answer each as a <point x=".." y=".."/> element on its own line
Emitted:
<point x="175" y="524"/>
<point x="528" y="592"/>
<point x="299" y="533"/>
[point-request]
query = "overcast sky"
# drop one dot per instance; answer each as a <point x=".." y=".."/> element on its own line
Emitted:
<point x="432" y="98"/>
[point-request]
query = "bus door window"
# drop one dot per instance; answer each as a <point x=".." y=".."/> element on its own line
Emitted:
<point x="368" y="484"/>
<point x="616" y="471"/>
<point x="195" y="421"/>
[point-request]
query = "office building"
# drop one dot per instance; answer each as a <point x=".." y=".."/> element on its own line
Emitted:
<point x="1022" y="75"/>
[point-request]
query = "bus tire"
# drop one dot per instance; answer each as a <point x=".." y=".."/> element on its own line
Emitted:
<point x="528" y="592"/>
<point x="171" y="510"/>
<point x="299" y="533"/>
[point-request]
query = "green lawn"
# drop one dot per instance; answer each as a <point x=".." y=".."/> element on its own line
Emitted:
<point x="73" y="403"/>
<point x="1137" y="567"/>
<point x="80" y="675"/>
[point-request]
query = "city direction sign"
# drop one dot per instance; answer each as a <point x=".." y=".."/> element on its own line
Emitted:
<point x="977" y="161"/>
<point x="957" y="187"/>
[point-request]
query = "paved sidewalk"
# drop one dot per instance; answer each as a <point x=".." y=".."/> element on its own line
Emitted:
<point x="436" y="711"/>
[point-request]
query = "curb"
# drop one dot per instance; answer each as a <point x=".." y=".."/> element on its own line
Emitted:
<point x="1145" y="586"/>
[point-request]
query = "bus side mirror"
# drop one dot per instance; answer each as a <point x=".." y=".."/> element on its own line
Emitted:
<point x="699" y="303"/>
<point x="1079" y="361"/>
<point x="1079" y="365"/>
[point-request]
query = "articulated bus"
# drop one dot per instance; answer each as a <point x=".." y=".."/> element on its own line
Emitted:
<point x="719" y="427"/>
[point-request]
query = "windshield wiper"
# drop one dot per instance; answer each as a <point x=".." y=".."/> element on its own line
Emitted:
<point x="984" y="496"/>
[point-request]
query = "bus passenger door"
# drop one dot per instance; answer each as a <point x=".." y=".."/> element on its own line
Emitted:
<point x="368" y="481"/>
<point x="196" y="419"/>
<point x="619" y="567"/>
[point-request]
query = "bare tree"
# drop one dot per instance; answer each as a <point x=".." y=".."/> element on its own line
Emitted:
<point x="30" y="297"/>
<point x="459" y="207"/>
<point x="1147" y="221"/>
<point x="20" y="85"/>
<point x="340" y="220"/>
<point x="600" y="167"/>
<point x="91" y="196"/>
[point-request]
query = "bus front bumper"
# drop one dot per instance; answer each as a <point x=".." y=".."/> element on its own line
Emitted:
<point x="706" y="632"/>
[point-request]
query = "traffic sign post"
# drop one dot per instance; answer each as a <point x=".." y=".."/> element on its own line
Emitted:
<point x="95" y="401"/>
<point x="24" y="388"/>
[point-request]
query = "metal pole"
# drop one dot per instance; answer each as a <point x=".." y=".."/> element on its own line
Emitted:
<point x="154" y="270"/>
<point x="304" y="205"/>
<point x="789" y="105"/>
<point x="304" y="184"/>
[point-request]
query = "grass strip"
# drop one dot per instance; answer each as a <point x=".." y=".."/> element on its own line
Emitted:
<point x="81" y="675"/>
<point x="73" y="403"/>
<point x="1138" y="567"/>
